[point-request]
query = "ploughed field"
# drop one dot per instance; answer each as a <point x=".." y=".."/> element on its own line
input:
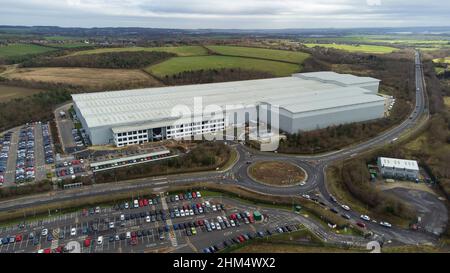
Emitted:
<point x="86" y="77"/>
<point x="13" y="92"/>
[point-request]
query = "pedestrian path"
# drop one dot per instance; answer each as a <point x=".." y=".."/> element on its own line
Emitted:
<point x="172" y="236"/>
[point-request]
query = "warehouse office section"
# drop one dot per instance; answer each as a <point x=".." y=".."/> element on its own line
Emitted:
<point x="303" y="102"/>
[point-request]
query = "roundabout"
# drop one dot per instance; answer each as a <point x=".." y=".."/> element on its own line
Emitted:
<point x="277" y="173"/>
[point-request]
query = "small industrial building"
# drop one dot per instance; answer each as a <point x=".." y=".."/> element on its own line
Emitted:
<point x="306" y="101"/>
<point x="398" y="168"/>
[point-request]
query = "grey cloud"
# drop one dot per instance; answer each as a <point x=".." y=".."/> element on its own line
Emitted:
<point x="225" y="13"/>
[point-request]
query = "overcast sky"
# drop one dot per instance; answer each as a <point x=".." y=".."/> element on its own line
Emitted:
<point x="242" y="14"/>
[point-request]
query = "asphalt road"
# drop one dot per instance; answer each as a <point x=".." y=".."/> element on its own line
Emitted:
<point x="313" y="165"/>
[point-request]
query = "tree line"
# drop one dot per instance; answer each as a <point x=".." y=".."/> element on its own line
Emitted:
<point x="118" y="60"/>
<point x="214" y="75"/>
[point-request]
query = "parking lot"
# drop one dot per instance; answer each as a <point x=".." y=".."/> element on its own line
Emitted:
<point x="5" y="146"/>
<point x="69" y="169"/>
<point x="25" y="151"/>
<point x="147" y="224"/>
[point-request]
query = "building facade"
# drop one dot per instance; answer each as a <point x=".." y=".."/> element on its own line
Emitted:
<point x="302" y="102"/>
<point x="398" y="168"/>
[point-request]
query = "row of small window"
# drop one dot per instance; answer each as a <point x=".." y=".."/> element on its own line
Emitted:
<point x="178" y="135"/>
<point x="196" y="123"/>
<point x="132" y="133"/>
<point x="130" y="142"/>
<point x="197" y="128"/>
<point x="131" y="138"/>
<point x="188" y="133"/>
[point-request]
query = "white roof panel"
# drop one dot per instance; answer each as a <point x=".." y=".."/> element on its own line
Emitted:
<point x="295" y="94"/>
<point x="399" y="163"/>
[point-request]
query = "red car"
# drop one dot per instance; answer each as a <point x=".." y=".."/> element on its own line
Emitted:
<point x="47" y="250"/>
<point x="241" y="238"/>
<point x="145" y="202"/>
<point x="194" y="195"/>
<point x="200" y="222"/>
<point x="233" y="216"/>
<point x="59" y="249"/>
<point x="198" y="205"/>
<point x="87" y="242"/>
<point x="141" y="203"/>
<point x="18" y="237"/>
<point x="133" y="235"/>
<point x="359" y="224"/>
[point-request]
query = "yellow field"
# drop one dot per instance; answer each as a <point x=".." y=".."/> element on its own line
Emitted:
<point x="373" y="49"/>
<point x="442" y="60"/>
<point x="86" y="77"/>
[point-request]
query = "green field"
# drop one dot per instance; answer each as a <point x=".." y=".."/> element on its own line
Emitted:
<point x="14" y="50"/>
<point x="374" y="49"/>
<point x="69" y="45"/>
<point x="180" y="64"/>
<point x="262" y="53"/>
<point x="181" y="51"/>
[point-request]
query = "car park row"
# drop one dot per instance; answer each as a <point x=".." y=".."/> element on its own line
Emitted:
<point x="25" y="164"/>
<point x="241" y="238"/>
<point x="5" y="145"/>
<point x="129" y="224"/>
<point x="47" y="142"/>
<point x="70" y="168"/>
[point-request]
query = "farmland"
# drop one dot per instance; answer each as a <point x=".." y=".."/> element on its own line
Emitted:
<point x="425" y="41"/>
<point x="181" y="51"/>
<point x="373" y="49"/>
<point x="12" y="92"/>
<point x="442" y="60"/>
<point x="14" y="50"/>
<point x="262" y="53"/>
<point x="180" y="64"/>
<point x="86" y="77"/>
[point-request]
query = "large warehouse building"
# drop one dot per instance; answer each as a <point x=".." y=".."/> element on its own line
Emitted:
<point x="306" y="101"/>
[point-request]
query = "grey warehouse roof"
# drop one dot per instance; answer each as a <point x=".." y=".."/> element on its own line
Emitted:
<point x="339" y="79"/>
<point x="298" y="93"/>
<point x="399" y="163"/>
